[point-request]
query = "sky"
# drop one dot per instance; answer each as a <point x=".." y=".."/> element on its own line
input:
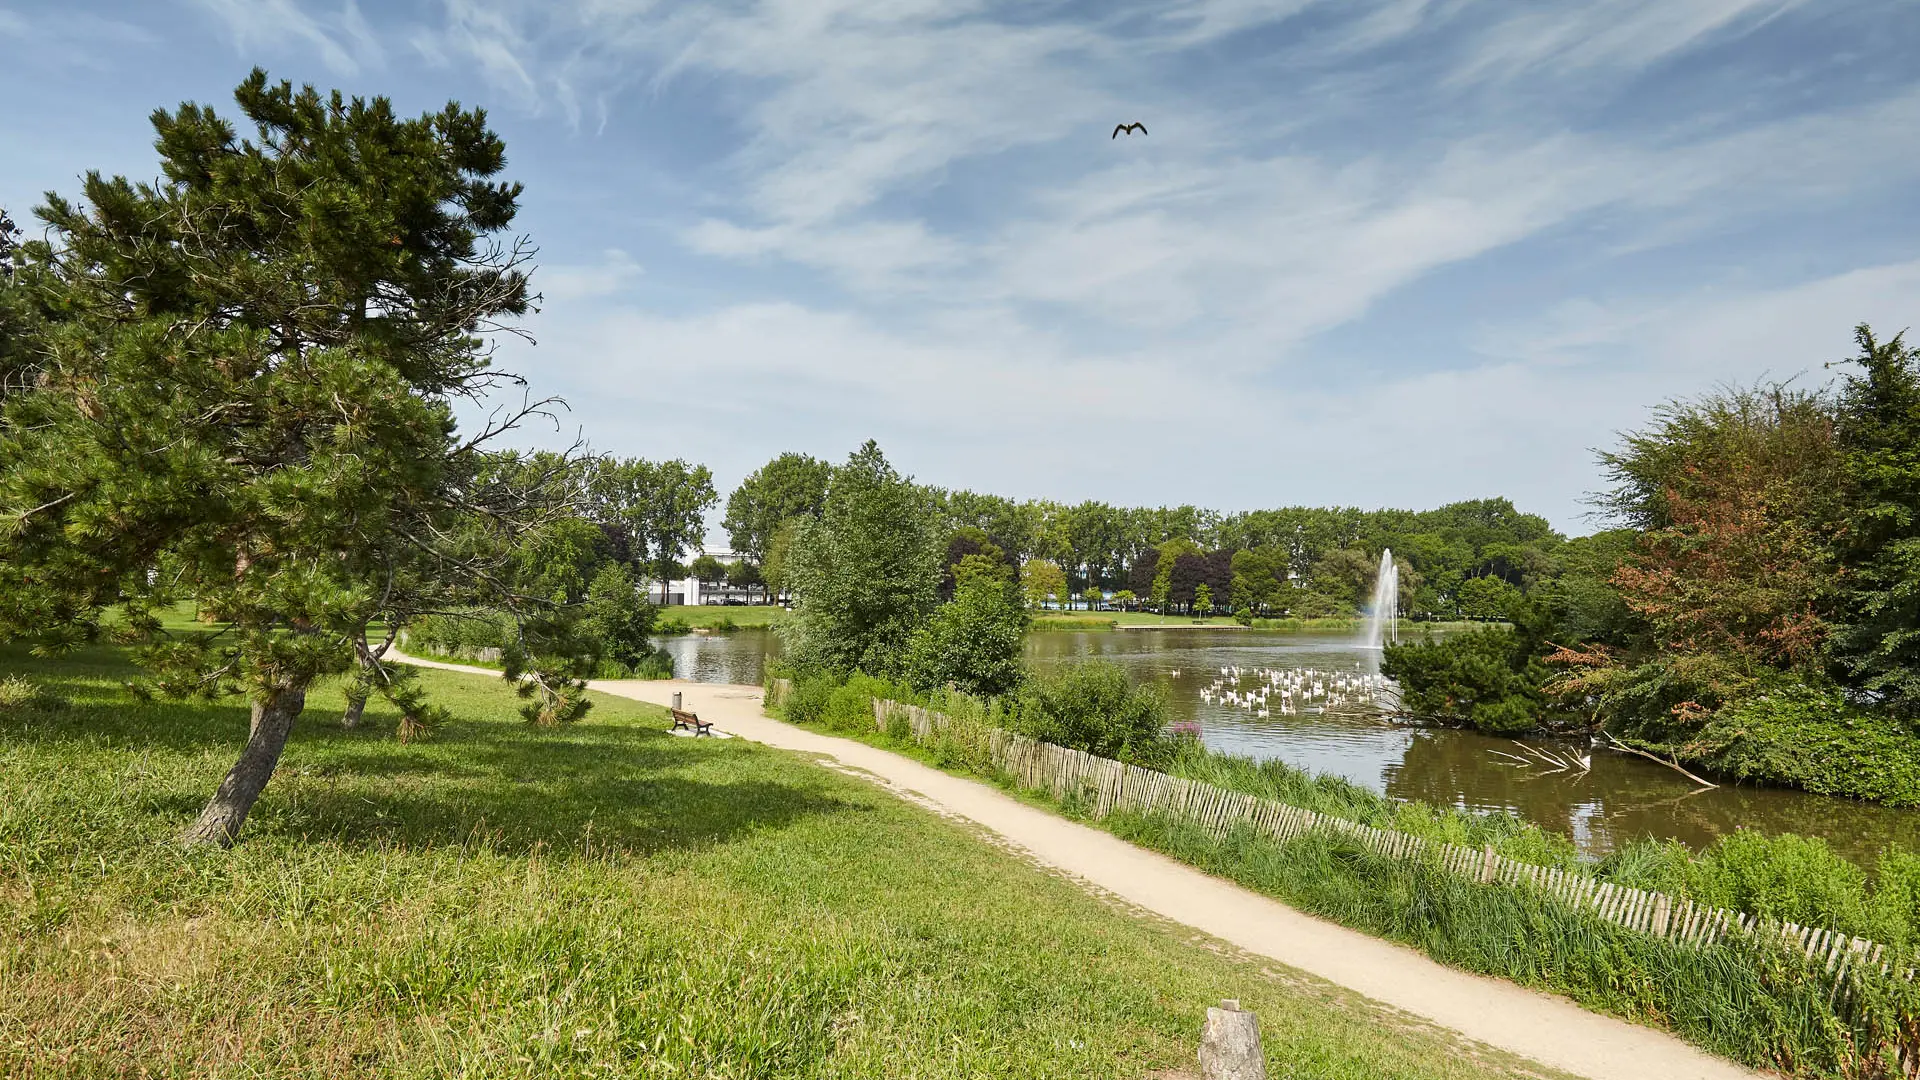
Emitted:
<point x="1368" y="252"/>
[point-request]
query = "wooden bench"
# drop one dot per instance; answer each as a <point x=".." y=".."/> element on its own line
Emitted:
<point x="690" y="721"/>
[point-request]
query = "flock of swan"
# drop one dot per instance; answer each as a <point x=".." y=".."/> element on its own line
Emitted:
<point x="1293" y="691"/>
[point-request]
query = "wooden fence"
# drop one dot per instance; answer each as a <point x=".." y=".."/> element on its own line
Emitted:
<point x="1105" y="785"/>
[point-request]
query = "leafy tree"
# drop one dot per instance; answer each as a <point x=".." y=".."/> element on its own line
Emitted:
<point x="974" y="643"/>
<point x="1488" y="597"/>
<point x="790" y="486"/>
<point x="18" y="322"/>
<point x="1041" y="580"/>
<point x="1729" y="493"/>
<point x="707" y="568"/>
<point x="1125" y="599"/>
<point x="1203" y="601"/>
<point x="619" y="619"/>
<point x="866" y="573"/>
<point x="662" y="506"/>
<point x="774" y="567"/>
<point x="742" y="574"/>
<point x="970" y="542"/>
<point x="245" y="394"/>
<point x="1876" y="639"/>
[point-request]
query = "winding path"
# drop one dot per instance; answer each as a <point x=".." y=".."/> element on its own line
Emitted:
<point x="1546" y="1028"/>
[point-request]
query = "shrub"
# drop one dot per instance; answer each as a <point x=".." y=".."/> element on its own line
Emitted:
<point x="1489" y="679"/>
<point x="1093" y="706"/>
<point x="1812" y="738"/>
<point x="974" y="642"/>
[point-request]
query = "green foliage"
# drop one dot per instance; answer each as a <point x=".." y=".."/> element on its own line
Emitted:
<point x="1094" y="706"/>
<point x="706" y="568"/>
<point x="866" y="573"/>
<point x="656" y="509"/>
<point x="1488" y="598"/>
<point x="619" y="619"/>
<point x="1752" y="1001"/>
<point x="1877" y="636"/>
<point x="245" y="388"/>
<point x="1489" y="679"/>
<point x="974" y="642"/>
<point x="1814" y="739"/>
<point x="1041" y="581"/>
<point x="790" y="486"/>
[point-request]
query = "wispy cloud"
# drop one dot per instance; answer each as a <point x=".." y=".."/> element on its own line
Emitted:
<point x="343" y="39"/>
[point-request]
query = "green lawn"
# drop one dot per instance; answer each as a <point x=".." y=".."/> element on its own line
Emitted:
<point x="711" y="615"/>
<point x="603" y="900"/>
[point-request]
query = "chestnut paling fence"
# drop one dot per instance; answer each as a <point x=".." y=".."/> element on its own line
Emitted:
<point x="1106" y="786"/>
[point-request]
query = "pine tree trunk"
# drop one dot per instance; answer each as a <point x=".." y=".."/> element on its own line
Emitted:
<point x="273" y="719"/>
<point x="356" y="704"/>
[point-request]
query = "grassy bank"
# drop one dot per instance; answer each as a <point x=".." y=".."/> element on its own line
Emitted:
<point x="1743" y="999"/>
<point x="716" y="616"/>
<point x="600" y="900"/>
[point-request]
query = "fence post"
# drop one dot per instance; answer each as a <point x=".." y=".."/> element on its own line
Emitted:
<point x="1489" y="863"/>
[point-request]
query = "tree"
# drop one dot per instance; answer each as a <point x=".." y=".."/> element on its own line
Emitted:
<point x="975" y="642"/>
<point x="245" y="394"/>
<point x="742" y="574"/>
<point x="18" y="324"/>
<point x="790" y="486"/>
<point x="1488" y="597"/>
<point x="1042" y="580"/>
<point x="619" y="618"/>
<point x="866" y="573"/>
<point x="708" y="569"/>
<point x="1203" y="601"/>
<point x="1876" y="637"/>
<point x="662" y="506"/>
<point x="774" y="568"/>
<point x="1125" y="599"/>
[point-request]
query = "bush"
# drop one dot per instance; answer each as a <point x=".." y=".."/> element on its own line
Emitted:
<point x="1812" y="738"/>
<point x="974" y="642"/>
<point x="1093" y="706"/>
<point x="1489" y="679"/>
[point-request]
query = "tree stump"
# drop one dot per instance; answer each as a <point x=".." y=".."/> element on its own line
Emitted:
<point x="1230" y="1045"/>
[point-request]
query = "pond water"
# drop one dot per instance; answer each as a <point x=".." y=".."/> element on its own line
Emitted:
<point x="1620" y="798"/>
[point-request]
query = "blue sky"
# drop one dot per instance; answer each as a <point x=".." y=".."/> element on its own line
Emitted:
<point x="1371" y="252"/>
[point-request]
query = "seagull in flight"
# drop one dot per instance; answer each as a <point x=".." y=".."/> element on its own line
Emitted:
<point x="1128" y="128"/>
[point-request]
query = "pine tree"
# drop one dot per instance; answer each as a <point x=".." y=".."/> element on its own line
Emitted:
<point x="1876" y="636"/>
<point x="243" y="397"/>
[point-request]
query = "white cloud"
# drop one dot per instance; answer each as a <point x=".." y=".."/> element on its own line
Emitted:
<point x="1615" y="34"/>
<point x="564" y="283"/>
<point x="343" y="40"/>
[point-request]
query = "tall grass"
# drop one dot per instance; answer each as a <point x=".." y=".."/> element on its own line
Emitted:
<point x="1747" y="999"/>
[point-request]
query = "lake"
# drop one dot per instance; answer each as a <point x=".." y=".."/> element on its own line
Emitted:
<point x="1621" y="797"/>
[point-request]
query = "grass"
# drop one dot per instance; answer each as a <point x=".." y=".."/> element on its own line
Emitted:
<point x="710" y="616"/>
<point x="1747" y="1000"/>
<point x="599" y="900"/>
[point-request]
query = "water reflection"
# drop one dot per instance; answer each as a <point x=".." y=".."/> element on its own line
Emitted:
<point x="1620" y="798"/>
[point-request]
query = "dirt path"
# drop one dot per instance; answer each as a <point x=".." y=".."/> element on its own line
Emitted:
<point x="1548" y="1029"/>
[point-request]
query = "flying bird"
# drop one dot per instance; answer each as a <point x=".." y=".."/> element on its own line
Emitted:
<point x="1128" y="128"/>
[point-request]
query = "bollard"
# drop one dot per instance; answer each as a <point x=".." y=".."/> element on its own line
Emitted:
<point x="1230" y="1045"/>
<point x="676" y="699"/>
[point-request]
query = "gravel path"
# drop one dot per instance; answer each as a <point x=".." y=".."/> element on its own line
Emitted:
<point x="1546" y="1028"/>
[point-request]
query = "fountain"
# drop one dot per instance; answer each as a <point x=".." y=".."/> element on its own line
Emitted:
<point x="1383" y="611"/>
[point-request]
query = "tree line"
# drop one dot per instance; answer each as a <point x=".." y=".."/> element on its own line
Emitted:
<point x="1464" y="560"/>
